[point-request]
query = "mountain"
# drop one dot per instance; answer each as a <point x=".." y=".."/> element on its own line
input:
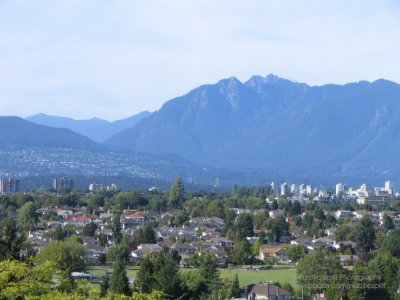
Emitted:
<point x="19" y="133"/>
<point x="29" y="150"/>
<point x="272" y="124"/>
<point x="96" y="129"/>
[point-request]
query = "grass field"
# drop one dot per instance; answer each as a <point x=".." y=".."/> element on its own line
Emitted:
<point x="280" y="274"/>
<point x="277" y="274"/>
<point x="100" y="271"/>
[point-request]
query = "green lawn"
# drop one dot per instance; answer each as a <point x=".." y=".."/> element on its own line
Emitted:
<point x="280" y="274"/>
<point x="276" y="274"/>
<point x="99" y="271"/>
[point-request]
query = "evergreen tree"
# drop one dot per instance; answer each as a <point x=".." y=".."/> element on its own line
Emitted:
<point x="365" y="235"/>
<point x="119" y="283"/>
<point x="244" y="226"/>
<point x="116" y="229"/>
<point x="177" y="193"/>
<point x="209" y="272"/>
<point x="159" y="272"/>
<point x="235" y="290"/>
<point x="146" y="235"/>
<point x="388" y="222"/>
<point x="10" y="242"/>
<point x="105" y="284"/>
<point x="295" y="209"/>
<point x="274" y="205"/>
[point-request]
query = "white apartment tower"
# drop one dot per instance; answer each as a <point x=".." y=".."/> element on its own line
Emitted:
<point x="339" y="188"/>
<point x="9" y="186"/>
<point x="284" y="189"/>
<point x="389" y="187"/>
<point x="302" y="189"/>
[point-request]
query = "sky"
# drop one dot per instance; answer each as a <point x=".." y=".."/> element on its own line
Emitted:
<point x="113" y="59"/>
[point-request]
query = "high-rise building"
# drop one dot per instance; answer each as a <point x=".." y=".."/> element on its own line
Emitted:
<point x="9" y="186"/>
<point x="389" y="187"/>
<point x="339" y="188"/>
<point x="273" y="187"/>
<point x="284" y="189"/>
<point x="309" y="190"/>
<point x="63" y="183"/>
<point x="302" y="189"/>
<point x="364" y="188"/>
<point x="96" y="187"/>
<point x="293" y="189"/>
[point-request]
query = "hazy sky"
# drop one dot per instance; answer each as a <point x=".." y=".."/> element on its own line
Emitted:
<point x="112" y="59"/>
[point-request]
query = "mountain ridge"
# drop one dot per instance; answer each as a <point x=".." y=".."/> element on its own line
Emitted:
<point x="270" y="122"/>
<point x="95" y="128"/>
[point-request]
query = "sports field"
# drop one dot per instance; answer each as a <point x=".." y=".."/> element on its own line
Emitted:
<point x="276" y="274"/>
<point x="280" y="274"/>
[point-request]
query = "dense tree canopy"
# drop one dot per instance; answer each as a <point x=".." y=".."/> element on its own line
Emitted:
<point x="10" y="241"/>
<point x="68" y="255"/>
<point x="27" y="216"/>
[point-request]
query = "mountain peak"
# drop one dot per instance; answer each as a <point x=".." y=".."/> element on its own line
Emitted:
<point x="229" y="82"/>
<point x="271" y="78"/>
<point x="257" y="80"/>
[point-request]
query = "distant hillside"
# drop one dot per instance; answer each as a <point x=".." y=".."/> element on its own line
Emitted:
<point x="279" y="126"/>
<point x="96" y="129"/>
<point x="17" y="132"/>
<point x="36" y="151"/>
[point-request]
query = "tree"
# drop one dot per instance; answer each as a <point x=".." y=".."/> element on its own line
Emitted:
<point x="235" y="289"/>
<point x="58" y="234"/>
<point x="260" y="241"/>
<point x="244" y="226"/>
<point x="95" y="201"/>
<point x="20" y="280"/>
<point x="388" y="222"/>
<point x="296" y="252"/>
<point x="119" y="283"/>
<point x="209" y="272"/>
<point x="242" y="252"/>
<point x="159" y="271"/>
<point x="365" y="234"/>
<point x="391" y="243"/>
<point x="146" y="235"/>
<point x="319" y="213"/>
<point x="274" y="205"/>
<point x="339" y="285"/>
<point x="10" y="242"/>
<point x="104" y="285"/>
<point x="116" y="229"/>
<point x="295" y="208"/>
<point x="279" y="228"/>
<point x="89" y="229"/>
<point x="27" y="216"/>
<point x="118" y="252"/>
<point x="316" y="269"/>
<point x="177" y="193"/>
<point x="67" y="255"/>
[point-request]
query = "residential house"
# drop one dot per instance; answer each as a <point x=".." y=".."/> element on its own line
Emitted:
<point x="302" y="240"/>
<point x="143" y="249"/>
<point x="132" y="220"/>
<point x="266" y="291"/>
<point x="276" y="213"/>
<point x="348" y="260"/>
<point x="340" y="214"/>
<point x="279" y="253"/>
